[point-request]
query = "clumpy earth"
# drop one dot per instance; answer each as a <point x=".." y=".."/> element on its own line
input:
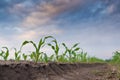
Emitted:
<point x="24" y="70"/>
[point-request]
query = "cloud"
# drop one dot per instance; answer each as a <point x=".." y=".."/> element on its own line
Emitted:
<point x="27" y="35"/>
<point x="39" y="13"/>
<point x="32" y="13"/>
<point x="45" y="11"/>
<point x="111" y="9"/>
<point x="36" y="33"/>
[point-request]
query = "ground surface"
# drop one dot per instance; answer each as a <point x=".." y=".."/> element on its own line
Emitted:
<point x="10" y="70"/>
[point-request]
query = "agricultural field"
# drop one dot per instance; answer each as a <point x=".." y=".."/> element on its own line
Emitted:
<point x="72" y="64"/>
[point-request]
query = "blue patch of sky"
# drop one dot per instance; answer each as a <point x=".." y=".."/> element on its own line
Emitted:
<point x="90" y="16"/>
<point x="82" y="14"/>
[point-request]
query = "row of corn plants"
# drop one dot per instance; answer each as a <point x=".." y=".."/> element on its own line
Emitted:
<point x="70" y="54"/>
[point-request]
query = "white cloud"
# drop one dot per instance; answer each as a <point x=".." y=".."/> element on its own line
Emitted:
<point x="36" y="33"/>
<point x="27" y="35"/>
<point x="43" y="12"/>
<point x="109" y="9"/>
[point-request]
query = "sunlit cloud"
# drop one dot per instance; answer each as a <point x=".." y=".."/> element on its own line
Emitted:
<point x="28" y="35"/>
<point x="38" y="32"/>
<point x="43" y="13"/>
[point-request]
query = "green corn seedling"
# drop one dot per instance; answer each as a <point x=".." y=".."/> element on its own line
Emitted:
<point x="116" y="57"/>
<point x="32" y="56"/>
<point x="83" y="57"/>
<point x="5" y="54"/>
<point x="44" y="57"/>
<point x="17" y="54"/>
<point x="1" y="54"/>
<point x="38" y="47"/>
<point x="71" y="51"/>
<point x="55" y="48"/>
<point x="24" y="57"/>
<point x="62" y="58"/>
<point x="51" y="58"/>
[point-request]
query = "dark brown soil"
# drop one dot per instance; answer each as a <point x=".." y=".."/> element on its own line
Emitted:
<point x="23" y="70"/>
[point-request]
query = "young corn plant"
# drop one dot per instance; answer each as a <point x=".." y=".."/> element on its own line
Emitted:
<point x="17" y="54"/>
<point x="72" y="52"/>
<point x="63" y="58"/>
<point x="51" y="58"/>
<point x="116" y="58"/>
<point x="55" y="48"/>
<point x="5" y="54"/>
<point x="83" y="57"/>
<point x="36" y="55"/>
<point x="44" y="57"/>
<point x="24" y="56"/>
<point x="32" y="56"/>
<point x="1" y="54"/>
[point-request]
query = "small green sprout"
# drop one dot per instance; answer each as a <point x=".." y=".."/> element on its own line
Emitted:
<point x="5" y="54"/>
<point x="71" y="51"/>
<point x="55" y="48"/>
<point x="17" y="54"/>
<point x="24" y="57"/>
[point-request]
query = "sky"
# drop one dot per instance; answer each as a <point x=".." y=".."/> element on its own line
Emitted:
<point x="95" y="24"/>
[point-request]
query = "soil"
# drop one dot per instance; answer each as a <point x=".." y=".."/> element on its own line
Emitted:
<point x="24" y="70"/>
